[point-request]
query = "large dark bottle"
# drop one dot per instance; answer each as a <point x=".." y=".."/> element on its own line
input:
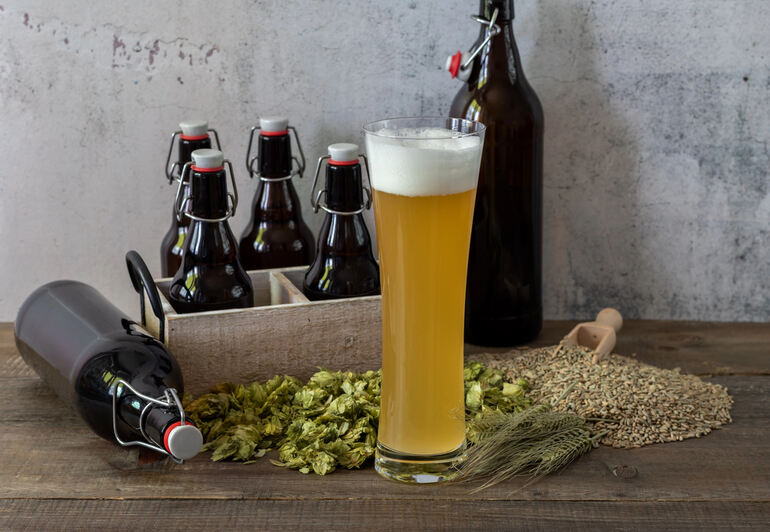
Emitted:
<point x="122" y="381"/>
<point x="503" y="297"/>
<point x="276" y="235"/>
<point x="193" y="135"/>
<point x="344" y="265"/>
<point x="211" y="276"/>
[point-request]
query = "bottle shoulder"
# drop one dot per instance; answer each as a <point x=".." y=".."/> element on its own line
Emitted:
<point x="266" y="233"/>
<point x="497" y="100"/>
<point x="211" y="272"/>
<point x="210" y="242"/>
<point x="345" y="265"/>
<point x="135" y="357"/>
<point x="344" y="235"/>
<point x="331" y="277"/>
<point x="279" y="194"/>
<point x="211" y="288"/>
<point x="275" y="203"/>
<point x="200" y="280"/>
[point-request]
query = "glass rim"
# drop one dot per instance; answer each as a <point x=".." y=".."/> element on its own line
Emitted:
<point x="368" y="127"/>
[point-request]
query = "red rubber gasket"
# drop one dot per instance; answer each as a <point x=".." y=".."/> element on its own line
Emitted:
<point x="454" y="66"/>
<point x="168" y="432"/>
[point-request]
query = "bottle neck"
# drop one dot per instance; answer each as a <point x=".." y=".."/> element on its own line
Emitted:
<point x="274" y="153"/>
<point x="344" y="191"/>
<point x="208" y="194"/>
<point x="186" y="146"/>
<point x="505" y="11"/>
<point x="153" y="425"/>
<point x="500" y="57"/>
<point x="158" y="422"/>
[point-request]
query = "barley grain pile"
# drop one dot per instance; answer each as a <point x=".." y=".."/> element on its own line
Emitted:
<point x="641" y="404"/>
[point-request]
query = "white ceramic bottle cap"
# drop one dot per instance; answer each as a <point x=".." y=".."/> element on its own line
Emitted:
<point x="274" y="124"/>
<point x="453" y="66"/>
<point x="207" y="158"/>
<point x="194" y="128"/>
<point x="184" y="441"/>
<point x="343" y="152"/>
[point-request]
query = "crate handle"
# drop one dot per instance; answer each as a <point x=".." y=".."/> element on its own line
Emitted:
<point x="141" y="278"/>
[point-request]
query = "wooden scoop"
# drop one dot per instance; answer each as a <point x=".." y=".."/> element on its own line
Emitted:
<point x="599" y="335"/>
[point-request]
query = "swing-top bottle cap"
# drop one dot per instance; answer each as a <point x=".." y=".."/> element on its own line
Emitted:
<point x="343" y="153"/>
<point x="274" y="125"/>
<point x="454" y="66"/>
<point x="183" y="441"/>
<point x="194" y="128"/>
<point x="207" y="159"/>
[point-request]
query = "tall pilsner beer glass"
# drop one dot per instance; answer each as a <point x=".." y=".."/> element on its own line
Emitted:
<point x="424" y="173"/>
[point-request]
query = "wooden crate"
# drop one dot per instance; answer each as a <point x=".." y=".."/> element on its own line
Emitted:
<point x="283" y="334"/>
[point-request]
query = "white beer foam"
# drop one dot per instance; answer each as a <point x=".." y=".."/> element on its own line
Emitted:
<point x="423" y="161"/>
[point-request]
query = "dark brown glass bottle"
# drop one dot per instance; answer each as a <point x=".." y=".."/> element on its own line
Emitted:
<point x="211" y="276"/>
<point x="503" y="297"/>
<point x="276" y="235"/>
<point x="106" y="366"/>
<point x="194" y="136"/>
<point x="344" y="265"/>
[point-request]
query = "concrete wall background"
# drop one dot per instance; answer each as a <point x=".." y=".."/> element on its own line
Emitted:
<point x="657" y="118"/>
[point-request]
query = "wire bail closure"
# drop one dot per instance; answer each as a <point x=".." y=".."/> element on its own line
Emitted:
<point x="183" y="194"/>
<point x="493" y="30"/>
<point x="170" y="175"/>
<point x="169" y="399"/>
<point x="251" y="161"/>
<point x="315" y="199"/>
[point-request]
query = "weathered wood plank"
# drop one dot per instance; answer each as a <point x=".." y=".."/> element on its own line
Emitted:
<point x="702" y="348"/>
<point x="410" y="514"/>
<point x="730" y="464"/>
<point x="7" y="344"/>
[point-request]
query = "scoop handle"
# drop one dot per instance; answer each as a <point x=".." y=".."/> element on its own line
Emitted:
<point x="610" y="317"/>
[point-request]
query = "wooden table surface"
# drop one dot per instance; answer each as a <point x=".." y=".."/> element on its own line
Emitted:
<point x="56" y="474"/>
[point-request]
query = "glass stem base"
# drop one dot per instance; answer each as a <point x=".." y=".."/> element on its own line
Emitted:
<point x="418" y="468"/>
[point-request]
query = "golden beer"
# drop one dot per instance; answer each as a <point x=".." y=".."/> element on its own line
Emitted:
<point x="423" y="243"/>
<point x="424" y="179"/>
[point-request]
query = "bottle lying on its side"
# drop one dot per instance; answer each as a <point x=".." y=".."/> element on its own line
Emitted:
<point x="122" y="381"/>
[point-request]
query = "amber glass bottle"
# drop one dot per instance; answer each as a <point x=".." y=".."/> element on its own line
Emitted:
<point x="211" y="276"/>
<point x="194" y="136"/>
<point x="503" y="298"/>
<point x="344" y="265"/>
<point x="276" y="235"/>
<point x="106" y="367"/>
